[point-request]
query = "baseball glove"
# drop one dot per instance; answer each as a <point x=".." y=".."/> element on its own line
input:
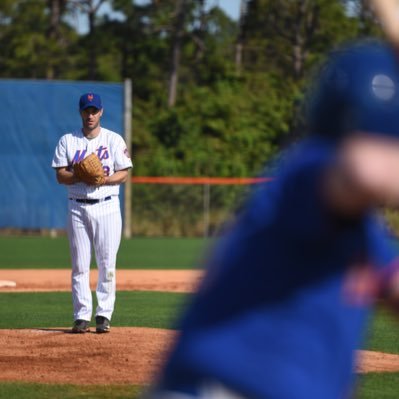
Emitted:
<point x="90" y="170"/>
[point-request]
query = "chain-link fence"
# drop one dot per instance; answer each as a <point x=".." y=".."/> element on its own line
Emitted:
<point x="185" y="207"/>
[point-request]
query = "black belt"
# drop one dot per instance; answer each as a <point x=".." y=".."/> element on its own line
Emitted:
<point x="90" y="201"/>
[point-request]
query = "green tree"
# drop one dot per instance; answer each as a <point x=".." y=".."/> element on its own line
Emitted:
<point x="34" y="40"/>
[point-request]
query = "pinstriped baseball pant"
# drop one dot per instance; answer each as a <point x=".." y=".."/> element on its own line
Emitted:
<point x="99" y="227"/>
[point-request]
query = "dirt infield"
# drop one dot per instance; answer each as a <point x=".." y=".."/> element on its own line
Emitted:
<point x="369" y="361"/>
<point x="126" y="280"/>
<point x="125" y="356"/>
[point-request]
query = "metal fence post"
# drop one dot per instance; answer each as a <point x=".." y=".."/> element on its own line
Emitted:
<point x="207" y="206"/>
<point x="127" y="231"/>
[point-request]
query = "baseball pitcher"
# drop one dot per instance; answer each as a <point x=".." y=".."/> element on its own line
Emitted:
<point x="92" y="162"/>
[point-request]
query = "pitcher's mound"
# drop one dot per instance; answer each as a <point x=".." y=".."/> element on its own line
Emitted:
<point x="124" y="356"/>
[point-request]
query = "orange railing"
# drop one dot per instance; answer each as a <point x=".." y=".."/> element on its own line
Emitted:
<point x="200" y="180"/>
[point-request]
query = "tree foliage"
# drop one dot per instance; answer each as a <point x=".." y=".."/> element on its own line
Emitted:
<point x="194" y="112"/>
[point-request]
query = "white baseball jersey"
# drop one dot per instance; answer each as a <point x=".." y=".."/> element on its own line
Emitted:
<point x="109" y="147"/>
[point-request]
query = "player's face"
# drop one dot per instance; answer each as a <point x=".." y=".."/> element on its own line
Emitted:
<point x="91" y="117"/>
<point x="372" y="162"/>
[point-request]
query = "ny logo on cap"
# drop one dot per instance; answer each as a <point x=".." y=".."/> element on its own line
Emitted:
<point x="90" y="97"/>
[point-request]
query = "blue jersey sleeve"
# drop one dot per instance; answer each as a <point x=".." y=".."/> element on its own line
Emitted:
<point x="294" y="205"/>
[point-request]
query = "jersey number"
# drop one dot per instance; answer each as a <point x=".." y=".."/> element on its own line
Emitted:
<point x="106" y="170"/>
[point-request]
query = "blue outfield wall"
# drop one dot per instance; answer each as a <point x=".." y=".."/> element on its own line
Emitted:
<point x="34" y="114"/>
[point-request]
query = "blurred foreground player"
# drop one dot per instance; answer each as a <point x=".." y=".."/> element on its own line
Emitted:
<point x="288" y="290"/>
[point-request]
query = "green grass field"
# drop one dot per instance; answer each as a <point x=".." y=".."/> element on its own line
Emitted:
<point x="379" y="386"/>
<point x="54" y="309"/>
<point x="12" y="390"/>
<point x="144" y="309"/>
<point x="384" y="334"/>
<point x="34" y="252"/>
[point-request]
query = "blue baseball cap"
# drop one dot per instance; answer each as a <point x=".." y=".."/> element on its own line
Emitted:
<point x="90" y="100"/>
<point x="357" y="91"/>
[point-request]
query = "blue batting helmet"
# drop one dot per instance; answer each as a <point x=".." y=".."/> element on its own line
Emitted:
<point x="358" y="90"/>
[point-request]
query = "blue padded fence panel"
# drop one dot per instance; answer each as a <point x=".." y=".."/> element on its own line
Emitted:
<point x="34" y="114"/>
